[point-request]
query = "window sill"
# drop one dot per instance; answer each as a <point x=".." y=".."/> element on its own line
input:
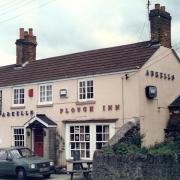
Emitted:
<point x="86" y="102"/>
<point x="18" y="107"/>
<point x="44" y="105"/>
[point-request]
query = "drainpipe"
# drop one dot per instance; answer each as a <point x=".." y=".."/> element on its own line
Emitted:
<point x="122" y="78"/>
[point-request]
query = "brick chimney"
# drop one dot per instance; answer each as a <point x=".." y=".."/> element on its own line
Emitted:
<point x="25" y="46"/>
<point x="160" y="24"/>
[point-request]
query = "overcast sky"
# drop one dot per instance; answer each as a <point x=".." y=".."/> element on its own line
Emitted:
<point x="69" y="26"/>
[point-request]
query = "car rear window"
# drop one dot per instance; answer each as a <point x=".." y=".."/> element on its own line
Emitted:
<point x="3" y="155"/>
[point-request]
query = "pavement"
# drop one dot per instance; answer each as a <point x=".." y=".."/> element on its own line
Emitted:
<point x="53" y="177"/>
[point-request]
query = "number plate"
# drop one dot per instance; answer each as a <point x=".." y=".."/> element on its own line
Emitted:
<point x="44" y="169"/>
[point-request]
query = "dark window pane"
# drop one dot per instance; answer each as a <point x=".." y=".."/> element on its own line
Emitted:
<point x="86" y="129"/>
<point x="87" y="154"/>
<point x="77" y="145"/>
<point x="87" y="145"/>
<point x="98" y="129"/>
<point x="72" y="137"/>
<point x="72" y="145"/>
<point x="72" y="129"/>
<point x="98" y="145"/>
<point x="98" y="137"/>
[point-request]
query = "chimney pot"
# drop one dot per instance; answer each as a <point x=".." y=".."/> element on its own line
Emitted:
<point x="25" y="33"/>
<point x="21" y="33"/>
<point x="163" y="8"/>
<point x="30" y="32"/>
<point x="157" y="6"/>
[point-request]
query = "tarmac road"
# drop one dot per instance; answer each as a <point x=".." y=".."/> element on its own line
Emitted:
<point x="53" y="177"/>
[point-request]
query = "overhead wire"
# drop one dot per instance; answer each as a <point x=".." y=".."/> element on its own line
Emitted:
<point x="25" y="12"/>
<point x="11" y="5"/>
<point x="7" y="3"/>
<point x="16" y="8"/>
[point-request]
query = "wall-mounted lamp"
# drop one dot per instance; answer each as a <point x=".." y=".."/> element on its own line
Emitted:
<point x="28" y="133"/>
<point x="126" y="76"/>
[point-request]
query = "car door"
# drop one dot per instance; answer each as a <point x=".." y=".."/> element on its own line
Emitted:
<point x="6" y="163"/>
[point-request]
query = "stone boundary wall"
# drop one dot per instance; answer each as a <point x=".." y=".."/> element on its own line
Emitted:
<point x="135" y="167"/>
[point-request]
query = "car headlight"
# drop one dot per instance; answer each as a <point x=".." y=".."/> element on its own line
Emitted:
<point x="32" y="166"/>
<point x="51" y="163"/>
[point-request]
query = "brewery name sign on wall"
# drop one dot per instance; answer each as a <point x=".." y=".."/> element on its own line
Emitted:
<point x="17" y="113"/>
<point x="80" y="109"/>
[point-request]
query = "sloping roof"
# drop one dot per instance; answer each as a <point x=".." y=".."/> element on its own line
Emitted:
<point x="175" y="103"/>
<point x="42" y="119"/>
<point x="113" y="59"/>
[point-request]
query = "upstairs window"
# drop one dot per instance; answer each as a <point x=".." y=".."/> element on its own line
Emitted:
<point x="86" y="89"/>
<point x="45" y="94"/>
<point x="18" y="96"/>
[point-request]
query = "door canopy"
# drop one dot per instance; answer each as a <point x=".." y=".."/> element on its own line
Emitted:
<point x="40" y="120"/>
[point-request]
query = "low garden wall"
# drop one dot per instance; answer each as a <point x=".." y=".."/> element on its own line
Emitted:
<point x="135" y="167"/>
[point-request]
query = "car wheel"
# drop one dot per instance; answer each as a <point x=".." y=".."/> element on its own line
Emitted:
<point x="46" y="176"/>
<point x="21" y="174"/>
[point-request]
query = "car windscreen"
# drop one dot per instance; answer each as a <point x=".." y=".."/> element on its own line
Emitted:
<point x="22" y="152"/>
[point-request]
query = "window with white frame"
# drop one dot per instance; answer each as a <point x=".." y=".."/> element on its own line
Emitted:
<point x="45" y="93"/>
<point x="102" y="135"/>
<point x="80" y="140"/>
<point x="18" y="136"/>
<point x="18" y="96"/>
<point x="86" y="138"/>
<point x="86" y="90"/>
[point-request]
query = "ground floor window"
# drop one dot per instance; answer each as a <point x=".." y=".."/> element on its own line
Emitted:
<point x="102" y="135"/>
<point x="80" y="140"/>
<point x="86" y="138"/>
<point x="18" y="136"/>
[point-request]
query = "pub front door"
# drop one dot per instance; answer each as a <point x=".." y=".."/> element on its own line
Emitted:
<point x="38" y="142"/>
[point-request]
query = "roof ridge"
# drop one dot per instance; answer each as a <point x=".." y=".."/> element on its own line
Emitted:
<point x="93" y="50"/>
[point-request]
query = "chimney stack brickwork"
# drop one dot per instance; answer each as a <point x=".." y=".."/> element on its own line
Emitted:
<point x="160" y="24"/>
<point x="25" y="47"/>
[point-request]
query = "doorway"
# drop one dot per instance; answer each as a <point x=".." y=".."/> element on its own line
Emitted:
<point x="38" y="142"/>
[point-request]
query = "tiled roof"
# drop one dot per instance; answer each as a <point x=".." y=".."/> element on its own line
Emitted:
<point x="44" y="118"/>
<point x="113" y="59"/>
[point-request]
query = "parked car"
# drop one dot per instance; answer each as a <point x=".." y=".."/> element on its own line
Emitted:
<point x="21" y="162"/>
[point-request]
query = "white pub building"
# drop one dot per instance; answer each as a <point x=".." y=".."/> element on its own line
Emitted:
<point x="78" y="101"/>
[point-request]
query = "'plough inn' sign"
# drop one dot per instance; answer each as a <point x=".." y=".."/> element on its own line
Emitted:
<point x="89" y="109"/>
